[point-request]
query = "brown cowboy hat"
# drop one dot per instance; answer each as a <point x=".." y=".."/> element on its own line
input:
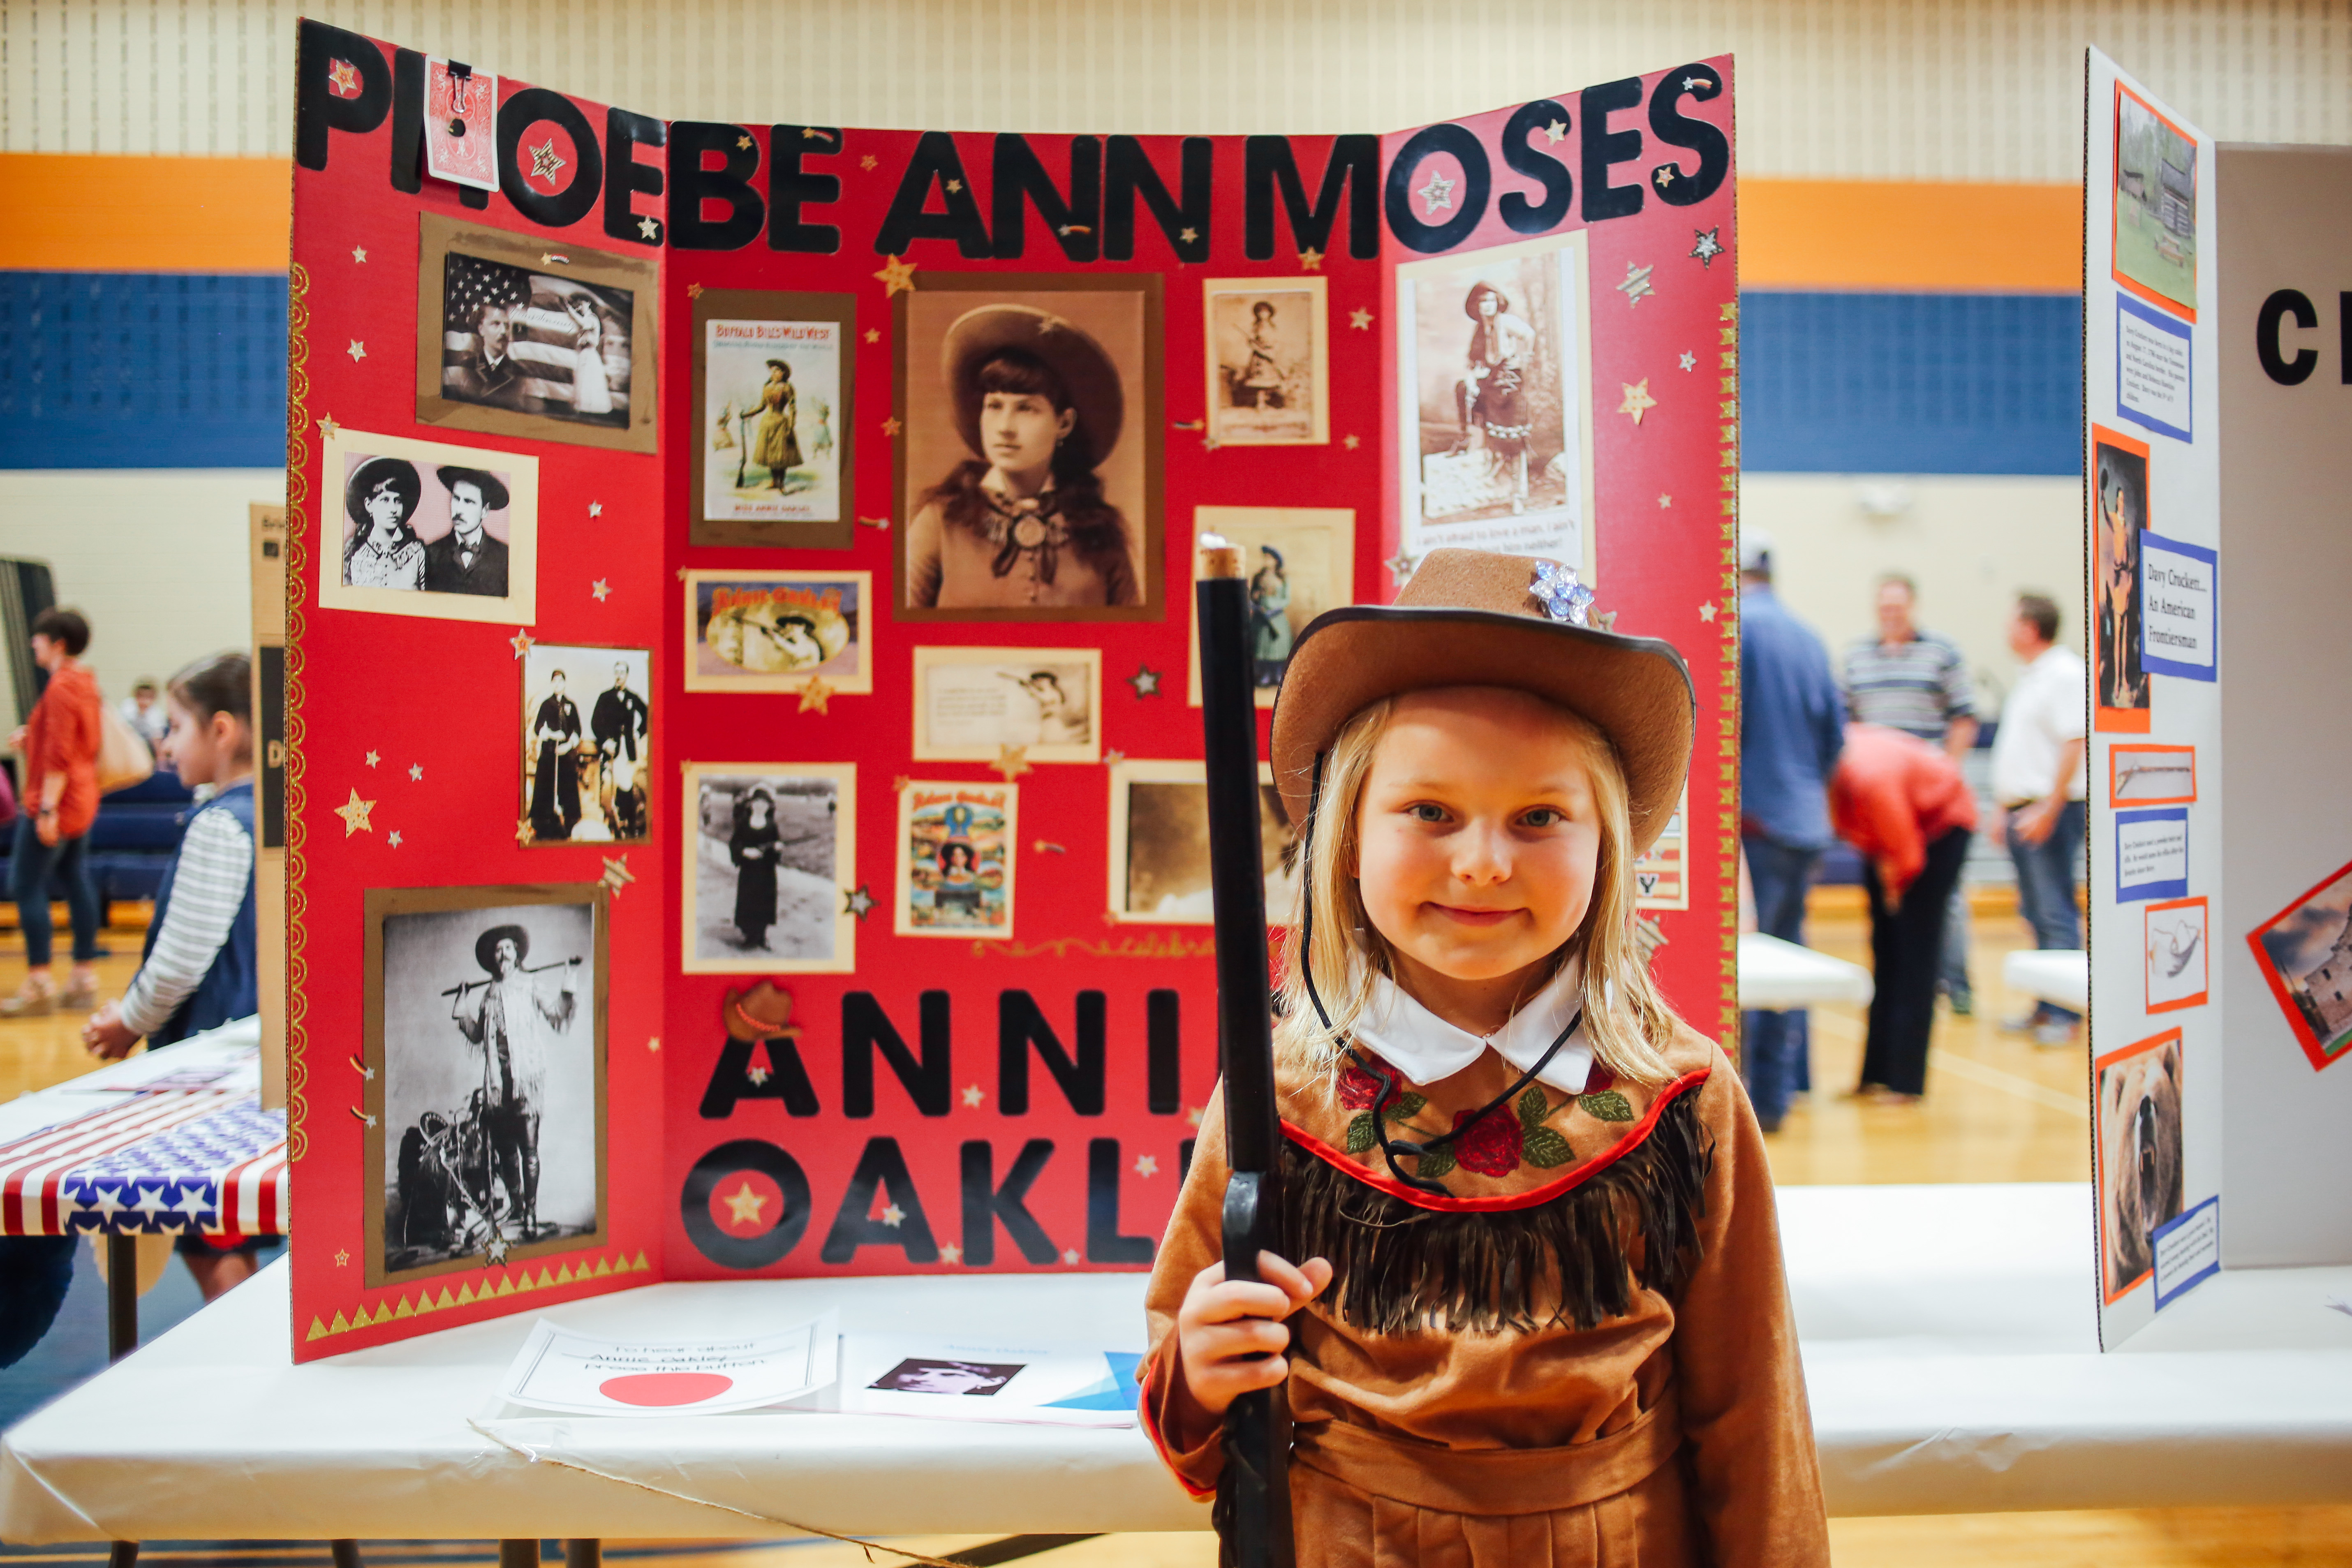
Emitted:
<point x="1064" y="347"/>
<point x="763" y="1013"/>
<point x="397" y="474"/>
<point x="1470" y="618"/>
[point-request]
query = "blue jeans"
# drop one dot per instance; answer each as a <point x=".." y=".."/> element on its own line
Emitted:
<point x="1776" y="1056"/>
<point x="30" y="865"/>
<point x="2045" y="889"/>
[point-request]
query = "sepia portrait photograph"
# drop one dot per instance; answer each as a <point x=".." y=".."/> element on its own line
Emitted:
<point x="1160" y="844"/>
<point x="2156" y="206"/>
<point x="587" y="723"/>
<point x="2304" y="952"/>
<point x="955" y="859"/>
<point x="1269" y="352"/>
<point x="2119" y="471"/>
<point x="518" y="340"/>
<point x="771" y="866"/>
<point x="769" y="631"/>
<point x="1494" y="402"/>
<point x="448" y="532"/>
<point x="1029" y="463"/>
<point x="2141" y="1182"/>
<point x="485" y="1050"/>
<point x="1301" y="562"/>
<point x="773" y="392"/>
<point x="974" y="704"/>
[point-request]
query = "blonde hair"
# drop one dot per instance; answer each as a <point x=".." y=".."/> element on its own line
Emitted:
<point x="1332" y="936"/>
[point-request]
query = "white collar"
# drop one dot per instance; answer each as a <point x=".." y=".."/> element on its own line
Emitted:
<point x="1426" y="1048"/>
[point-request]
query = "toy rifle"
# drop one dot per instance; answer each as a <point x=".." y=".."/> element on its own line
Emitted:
<point x="460" y="990"/>
<point x="1252" y="1510"/>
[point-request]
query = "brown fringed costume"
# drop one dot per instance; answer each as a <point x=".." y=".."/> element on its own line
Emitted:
<point x="1581" y="1364"/>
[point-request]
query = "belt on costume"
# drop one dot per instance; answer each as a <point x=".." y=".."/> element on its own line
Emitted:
<point x="1491" y="1482"/>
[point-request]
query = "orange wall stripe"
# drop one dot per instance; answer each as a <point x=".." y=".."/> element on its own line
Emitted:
<point x="1910" y="236"/>
<point x="91" y="213"/>
<point x="81" y="213"/>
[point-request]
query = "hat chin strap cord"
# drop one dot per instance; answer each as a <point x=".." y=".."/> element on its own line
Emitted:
<point x="1382" y="1073"/>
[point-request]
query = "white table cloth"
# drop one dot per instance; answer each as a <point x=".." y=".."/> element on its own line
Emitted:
<point x="1776" y="975"/>
<point x="1947" y="1332"/>
<point x="2057" y="974"/>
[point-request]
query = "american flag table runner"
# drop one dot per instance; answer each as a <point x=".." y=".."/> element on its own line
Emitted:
<point x="206" y="1162"/>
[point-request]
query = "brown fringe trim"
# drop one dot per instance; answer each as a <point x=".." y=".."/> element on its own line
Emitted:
<point x="1398" y="1268"/>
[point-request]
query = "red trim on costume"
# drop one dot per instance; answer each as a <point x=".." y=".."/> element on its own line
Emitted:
<point x="1152" y="1430"/>
<point x="1528" y="1199"/>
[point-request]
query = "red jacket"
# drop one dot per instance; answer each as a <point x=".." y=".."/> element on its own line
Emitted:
<point x="62" y="737"/>
<point x="1893" y="795"/>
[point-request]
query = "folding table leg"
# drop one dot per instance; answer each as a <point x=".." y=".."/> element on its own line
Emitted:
<point x="122" y="1554"/>
<point x="584" y="1553"/>
<point x="518" y="1554"/>
<point x="1010" y="1548"/>
<point x="121" y="1305"/>
<point x="346" y="1553"/>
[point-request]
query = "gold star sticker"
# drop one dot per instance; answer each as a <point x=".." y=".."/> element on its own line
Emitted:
<point x="545" y="160"/>
<point x="649" y="228"/>
<point x="743" y="142"/>
<point x="359" y="253"/>
<point x="954" y="186"/>
<point x="358" y="351"/>
<point x="1012" y="762"/>
<point x="1360" y="319"/>
<point x="523" y="834"/>
<point x="1145" y="1165"/>
<point x="1707" y="612"/>
<point x="894" y="1217"/>
<point x="972" y="1095"/>
<point x="1665" y="175"/>
<point x="354" y="813"/>
<point x="1113" y="757"/>
<point x="1638" y="400"/>
<point x="867" y="162"/>
<point x="1664" y="501"/>
<point x="811" y="133"/>
<point x="327" y="426"/>
<point x="1192" y="1114"/>
<point x="373" y="758"/>
<point x="1555" y="130"/>
<point x="595" y="508"/>
<point x="873" y="335"/>
<point x="653" y="1043"/>
<point x="746" y="1204"/>
<point x="1187" y="236"/>
<point x="598" y="589"/>
<point x="617" y="873"/>
<point x="1070" y="1256"/>
<point x="1727" y="312"/>
<point x="1312" y="261"/>
<point x="891" y="426"/>
<point x="899" y="785"/>
<point x="392" y="838"/>
<point x="342" y="1256"/>
<point x="694" y="290"/>
<point x="815" y="694"/>
<point x="416" y="773"/>
<point x="521" y="642"/>
<point x="344" y="78"/>
<point x="757" y="1075"/>
<point x="1111" y="918"/>
<point x="1352" y="442"/>
<point x="950" y="1253"/>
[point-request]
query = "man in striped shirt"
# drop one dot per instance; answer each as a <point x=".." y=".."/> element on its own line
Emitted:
<point x="1917" y="682"/>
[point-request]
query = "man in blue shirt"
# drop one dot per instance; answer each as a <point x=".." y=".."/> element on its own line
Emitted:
<point x="1791" y="726"/>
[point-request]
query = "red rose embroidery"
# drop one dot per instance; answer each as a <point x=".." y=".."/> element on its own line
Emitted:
<point x="1357" y="1088"/>
<point x="1598" y="1077"/>
<point x="1490" y="1146"/>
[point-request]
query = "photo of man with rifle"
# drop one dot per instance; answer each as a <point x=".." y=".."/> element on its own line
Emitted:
<point x="510" y="1019"/>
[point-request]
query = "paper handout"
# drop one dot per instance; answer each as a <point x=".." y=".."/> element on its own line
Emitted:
<point x="581" y="1375"/>
<point x="904" y="1374"/>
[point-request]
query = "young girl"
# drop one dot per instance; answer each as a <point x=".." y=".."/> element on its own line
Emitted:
<point x="1541" y="1318"/>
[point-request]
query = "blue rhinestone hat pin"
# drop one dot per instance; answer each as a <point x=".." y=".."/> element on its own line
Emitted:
<point x="1561" y="596"/>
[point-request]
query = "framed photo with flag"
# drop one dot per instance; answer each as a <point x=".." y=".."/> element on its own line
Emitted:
<point x="518" y="339"/>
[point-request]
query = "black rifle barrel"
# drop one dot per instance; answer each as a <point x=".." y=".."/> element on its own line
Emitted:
<point x="1252" y="1511"/>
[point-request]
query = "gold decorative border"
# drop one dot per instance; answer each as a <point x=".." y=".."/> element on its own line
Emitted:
<point x="298" y="539"/>
<point x="1727" y="625"/>
<point x="510" y="1284"/>
<point x="1153" y="946"/>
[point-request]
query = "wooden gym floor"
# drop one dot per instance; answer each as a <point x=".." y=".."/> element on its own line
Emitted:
<point x="1997" y="1108"/>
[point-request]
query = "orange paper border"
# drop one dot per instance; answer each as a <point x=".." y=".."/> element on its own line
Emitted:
<point x="2312" y="1046"/>
<point x="2109" y="1294"/>
<point x="2114" y="150"/>
<point x="2113" y="721"/>
<point x="2119" y="749"/>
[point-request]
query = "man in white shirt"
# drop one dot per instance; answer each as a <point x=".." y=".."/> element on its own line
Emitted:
<point x="2039" y="781"/>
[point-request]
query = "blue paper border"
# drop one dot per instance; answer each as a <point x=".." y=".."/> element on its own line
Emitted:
<point x="2156" y="662"/>
<point x="2142" y="892"/>
<point x="2125" y="304"/>
<point x="2167" y="1297"/>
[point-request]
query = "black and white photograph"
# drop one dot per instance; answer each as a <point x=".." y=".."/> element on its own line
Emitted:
<point x="517" y="338"/>
<point x="485" y="1046"/>
<point x="587" y="723"/>
<point x="772" y="869"/>
<point x="917" y="1374"/>
<point x="450" y="532"/>
<point x="1494" y="402"/>
<point x="1029" y="465"/>
<point x="1160" y="844"/>
<point x="1269" y="357"/>
<point x="975" y="704"/>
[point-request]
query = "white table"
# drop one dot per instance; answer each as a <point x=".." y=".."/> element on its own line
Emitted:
<point x="1775" y="975"/>
<point x="1947" y="1338"/>
<point x="2062" y="976"/>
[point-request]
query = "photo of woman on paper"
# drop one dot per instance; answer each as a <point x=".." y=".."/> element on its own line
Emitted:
<point x="1490" y="400"/>
<point x="555" y="783"/>
<point x="766" y="855"/>
<point x="1269" y="360"/>
<point x="1270" y="628"/>
<point x="2122" y="497"/>
<point x="777" y="448"/>
<point x="1023" y="521"/>
<point x="383" y="552"/>
<point x="752" y="847"/>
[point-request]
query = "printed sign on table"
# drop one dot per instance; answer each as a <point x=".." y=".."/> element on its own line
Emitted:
<point x="582" y="1375"/>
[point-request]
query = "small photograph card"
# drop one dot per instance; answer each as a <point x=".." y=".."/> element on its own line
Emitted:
<point x="581" y="1376"/>
<point x="1064" y="1385"/>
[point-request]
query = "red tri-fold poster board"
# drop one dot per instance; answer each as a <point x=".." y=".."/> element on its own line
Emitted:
<point x="729" y="834"/>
